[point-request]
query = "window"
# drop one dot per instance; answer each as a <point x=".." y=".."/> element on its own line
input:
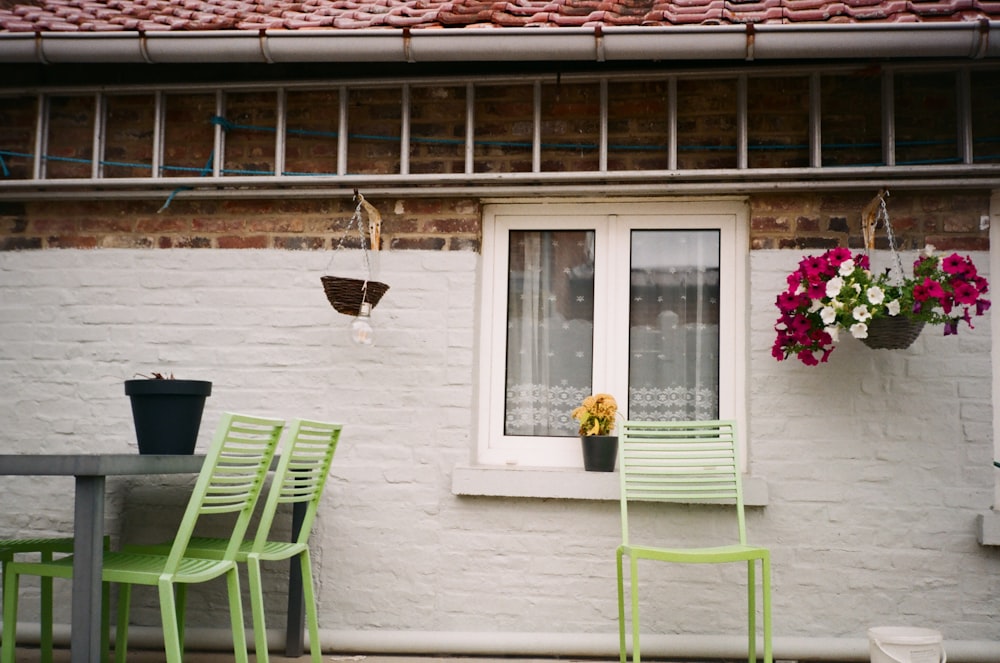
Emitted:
<point x="640" y="300"/>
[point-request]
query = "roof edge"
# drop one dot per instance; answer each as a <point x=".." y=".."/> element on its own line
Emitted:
<point x="967" y="40"/>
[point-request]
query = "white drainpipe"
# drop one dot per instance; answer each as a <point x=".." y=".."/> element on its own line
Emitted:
<point x="966" y="40"/>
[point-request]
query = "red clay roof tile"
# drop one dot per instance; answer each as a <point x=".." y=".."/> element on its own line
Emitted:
<point x="103" y="15"/>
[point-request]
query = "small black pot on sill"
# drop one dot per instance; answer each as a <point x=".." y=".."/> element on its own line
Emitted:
<point x="167" y="414"/>
<point x="599" y="452"/>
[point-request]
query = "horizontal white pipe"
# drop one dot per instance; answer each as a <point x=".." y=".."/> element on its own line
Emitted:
<point x="969" y="40"/>
<point x="543" y="645"/>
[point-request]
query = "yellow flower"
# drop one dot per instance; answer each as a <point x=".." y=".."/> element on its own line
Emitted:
<point x="597" y="414"/>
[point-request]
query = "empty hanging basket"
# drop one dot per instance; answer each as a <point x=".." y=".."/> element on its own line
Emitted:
<point x="347" y="294"/>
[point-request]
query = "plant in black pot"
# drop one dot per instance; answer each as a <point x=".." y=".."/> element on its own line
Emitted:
<point x="597" y="419"/>
<point x="167" y="412"/>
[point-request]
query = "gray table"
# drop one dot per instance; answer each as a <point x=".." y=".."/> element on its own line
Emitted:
<point x="91" y="472"/>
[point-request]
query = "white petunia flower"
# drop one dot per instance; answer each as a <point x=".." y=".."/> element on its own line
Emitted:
<point x="833" y="286"/>
<point x="846" y="267"/>
<point x="859" y="330"/>
<point x="861" y="313"/>
<point x="829" y="315"/>
<point x="875" y="295"/>
<point x="893" y="307"/>
<point x="834" y="332"/>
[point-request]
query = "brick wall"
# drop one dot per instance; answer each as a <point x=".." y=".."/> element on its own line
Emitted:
<point x="312" y="224"/>
<point x="949" y="220"/>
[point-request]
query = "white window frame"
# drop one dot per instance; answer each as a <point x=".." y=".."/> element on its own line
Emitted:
<point x="613" y="223"/>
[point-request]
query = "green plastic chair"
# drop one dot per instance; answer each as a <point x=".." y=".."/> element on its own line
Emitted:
<point x="686" y="462"/>
<point x="230" y="482"/>
<point x="46" y="548"/>
<point x="302" y="471"/>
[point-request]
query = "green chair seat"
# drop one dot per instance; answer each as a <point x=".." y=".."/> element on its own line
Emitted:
<point x="270" y="552"/>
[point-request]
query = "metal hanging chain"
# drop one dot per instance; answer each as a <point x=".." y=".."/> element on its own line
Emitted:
<point x="374" y="231"/>
<point x="883" y="215"/>
<point x="876" y="214"/>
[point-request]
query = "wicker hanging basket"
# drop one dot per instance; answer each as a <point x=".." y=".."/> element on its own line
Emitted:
<point x="348" y="294"/>
<point x="892" y="332"/>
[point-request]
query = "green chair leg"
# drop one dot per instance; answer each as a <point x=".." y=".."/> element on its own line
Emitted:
<point x="121" y="633"/>
<point x="181" y="595"/>
<point x="8" y="643"/>
<point x="236" y="614"/>
<point x="257" y="606"/>
<point x="634" y="582"/>
<point x="622" y="651"/>
<point x="309" y="592"/>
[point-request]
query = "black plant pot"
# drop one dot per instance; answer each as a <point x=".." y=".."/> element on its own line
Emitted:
<point x="167" y="414"/>
<point x="599" y="452"/>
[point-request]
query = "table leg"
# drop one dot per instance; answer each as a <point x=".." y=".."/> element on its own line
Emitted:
<point x="88" y="538"/>
<point x="295" y="626"/>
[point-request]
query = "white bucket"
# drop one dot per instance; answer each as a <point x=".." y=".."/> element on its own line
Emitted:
<point x="903" y="644"/>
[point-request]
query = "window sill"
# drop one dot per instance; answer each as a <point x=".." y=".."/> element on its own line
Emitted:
<point x="561" y="483"/>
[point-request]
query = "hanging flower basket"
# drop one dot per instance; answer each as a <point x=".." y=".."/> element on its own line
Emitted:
<point x="346" y="294"/>
<point x="837" y="291"/>
<point x="892" y="333"/>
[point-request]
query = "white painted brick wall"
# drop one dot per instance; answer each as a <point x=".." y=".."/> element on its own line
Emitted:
<point x="877" y="462"/>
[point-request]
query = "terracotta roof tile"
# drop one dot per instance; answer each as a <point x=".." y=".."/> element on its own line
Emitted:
<point x="109" y="15"/>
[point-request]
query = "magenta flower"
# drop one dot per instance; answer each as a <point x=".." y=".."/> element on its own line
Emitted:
<point x="964" y="292"/>
<point x="929" y="289"/>
<point x="956" y="264"/>
<point x="808" y="358"/>
<point x="814" y="268"/>
<point x="838" y="255"/>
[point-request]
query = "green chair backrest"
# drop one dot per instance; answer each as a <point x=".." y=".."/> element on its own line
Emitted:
<point x="231" y="479"/>
<point x="302" y="472"/>
<point x="680" y="461"/>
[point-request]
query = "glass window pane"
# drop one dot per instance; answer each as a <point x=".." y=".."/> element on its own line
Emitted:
<point x="550" y="330"/>
<point x="674" y="325"/>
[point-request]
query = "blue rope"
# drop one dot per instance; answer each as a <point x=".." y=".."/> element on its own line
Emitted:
<point x="205" y="170"/>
